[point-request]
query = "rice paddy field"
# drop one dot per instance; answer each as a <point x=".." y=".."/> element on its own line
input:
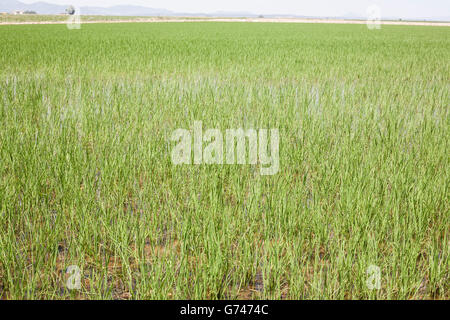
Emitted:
<point x="21" y="18"/>
<point x="88" y="189"/>
<point x="62" y="18"/>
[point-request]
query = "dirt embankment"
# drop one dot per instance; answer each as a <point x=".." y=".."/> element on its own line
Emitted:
<point x="273" y="20"/>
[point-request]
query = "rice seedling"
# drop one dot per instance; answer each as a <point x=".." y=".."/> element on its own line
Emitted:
<point x="86" y="177"/>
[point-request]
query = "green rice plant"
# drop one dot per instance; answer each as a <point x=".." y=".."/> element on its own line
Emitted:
<point x="86" y="177"/>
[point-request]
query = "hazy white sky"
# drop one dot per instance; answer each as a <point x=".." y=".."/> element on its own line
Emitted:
<point x="389" y="8"/>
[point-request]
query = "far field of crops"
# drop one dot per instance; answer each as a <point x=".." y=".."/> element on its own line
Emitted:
<point x="86" y="177"/>
<point x="37" y="18"/>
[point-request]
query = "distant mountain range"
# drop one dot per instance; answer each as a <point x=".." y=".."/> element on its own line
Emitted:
<point x="131" y="10"/>
<point x="49" y="8"/>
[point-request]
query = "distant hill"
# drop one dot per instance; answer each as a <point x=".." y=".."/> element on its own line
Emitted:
<point x="49" y="8"/>
<point x="131" y="10"/>
<point x="39" y="7"/>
